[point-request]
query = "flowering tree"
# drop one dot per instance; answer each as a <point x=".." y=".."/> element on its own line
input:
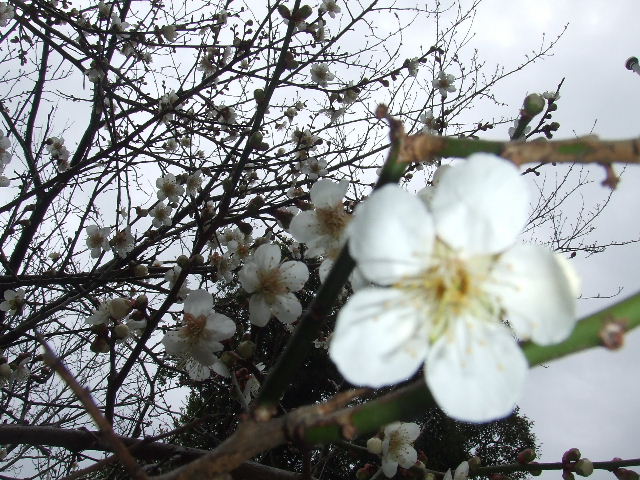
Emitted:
<point x="177" y="179"/>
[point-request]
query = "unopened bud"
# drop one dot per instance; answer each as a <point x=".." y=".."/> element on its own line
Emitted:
<point x="182" y="261"/>
<point x="533" y="104"/>
<point x="364" y="473"/>
<point x="100" y="345"/>
<point x="5" y="370"/>
<point x="246" y="349"/>
<point x="474" y="462"/>
<point x="583" y="467"/>
<point x="228" y="359"/>
<point x="374" y="445"/>
<point x="525" y="456"/>
<point x="198" y="259"/>
<point x="120" y="308"/>
<point x="121" y="331"/>
<point x="570" y="455"/>
<point x="140" y="271"/>
<point x="535" y="473"/>
<point x="567" y="475"/>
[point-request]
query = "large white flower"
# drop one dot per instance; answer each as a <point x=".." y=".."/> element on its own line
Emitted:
<point x="322" y="229"/>
<point x="199" y="338"/>
<point x="271" y="284"/>
<point x="397" y="447"/>
<point x="444" y="83"/>
<point x="455" y="279"/>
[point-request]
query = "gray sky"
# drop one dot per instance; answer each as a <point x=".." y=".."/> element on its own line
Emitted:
<point x="589" y="400"/>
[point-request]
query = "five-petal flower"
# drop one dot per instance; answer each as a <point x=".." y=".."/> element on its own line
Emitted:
<point x="454" y="280"/>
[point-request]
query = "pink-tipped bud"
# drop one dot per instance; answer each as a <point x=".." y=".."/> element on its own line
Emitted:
<point x="583" y="467"/>
<point x="570" y="455"/>
<point x="526" y="456"/>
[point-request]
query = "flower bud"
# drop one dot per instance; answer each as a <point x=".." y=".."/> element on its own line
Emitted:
<point x="100" y="345"/>
<point x="567" y="475"/>
<point x="374" y="445"/>
<point x="535" y="473"/>
<point x="182" y="261"/>
<point x="197" y="259"/>
<point x="5" y="370"/>
<point x="474" y="462"/>
<point x="246" y="349"/>
<point x="583" y="467"/>
<point x="533" y="104"/>
<point x="526" y="456"/>
<point x="228" y="359"/>
<point x="119" y="308"/>
<point x="140" y="271"/>
<point x="570" y="455"/>
<point x="365" y="473"/>
<point x="121" y="331"/>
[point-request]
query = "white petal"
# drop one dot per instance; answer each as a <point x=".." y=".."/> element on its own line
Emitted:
<point x="536" y="294"/>
<point x="202" y="352"/>
<point x="481" y="205"/>
<point x="409" y="432"/>
<point x="286" y="308"/>
<point x="389" y="467"/>
<point x="220" y="368"/>
<point x="462" y="471"/>
<point x="325" y="268"/>
<point x="248" y="277"/>
<point x="391" y="235"/>
<point x="259" y="311"/>
<point x="378" y="340"/>
<point x="305" y="228"/>
<point x="326" y="193"/>
<point x="406" y="455"/>
<point x="267" y="256"/>
<point x="220" y="326"/>
<point x="476" y="371"/>
<point x="294" y="275"/>
<point x="198" y="303"/>
<point x="174" y="343"/>
<point x="197" y="371"/>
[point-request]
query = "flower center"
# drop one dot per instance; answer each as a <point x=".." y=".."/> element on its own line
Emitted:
<point x="333" y="220"/>
<point x="271" y="283"/>
<point x="193" y="326"/>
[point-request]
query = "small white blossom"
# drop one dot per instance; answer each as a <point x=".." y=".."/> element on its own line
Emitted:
<point x="161" y="214"/>
<point x="454" y="277"/>
<point x="331" y="7"/>
<point x="168" y="188"/>
<point x="412" y="65"/>
<point x="224" y="266"/>
<point x="314" y="168"/>
<point x="271" y="283"/>
<point x="323" y="228"/>
<point x="170" y="145"/>
<point x="461" y="473"/>
<point x="5" y="154"/>
<point x="551" y="96"/>
<point x="118" y="26"/>
<point x="4" y="181"/>
<point x="397" y="447"/>
<point x="123" y="242"/>
<point x="194" y="183"/>
<point x="444" y="83"/>
<point x="429" y="122"/>
<point x="13" y="301"/>
<point x="55" y="146"/>
<point x="321" y="75"/>
<point x="97" y="240"/>
<point x="94" y="74"/>
<point x="169" y="32"/>
<point x="197" y="341"/>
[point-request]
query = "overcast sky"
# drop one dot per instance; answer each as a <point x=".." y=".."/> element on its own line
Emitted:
<point x="589" y="400"/>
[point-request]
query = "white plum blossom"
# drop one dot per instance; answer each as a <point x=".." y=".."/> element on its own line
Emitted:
<point x="429" y="122"/>
<point x="170" y="145"/>
<point x="97" y="239"/>
<point x="551" y="96"/>
<point x="271" y="284"/>
<point x="397" y="447"/>
<point x="4" y="181"/>
<point x="5" y="154"/>
<point x="13" y="301"/>
<point x="161" y="214"/>
<point x="168" y="188"/>
<point x="6" y="13"/>
<point x="314" y="167"/>
<point x="116" y="309"/>
<point x="224" y="266"/>
<point x="55" y="146"/>
<point x="444" y="83"/>
<point x="454" y="278"/>
<point x="197" y="341"/>
<point x="323" y="228"/>
<point x="172" y="275"/>
<point x="169" y="33"/>
<point x="117" y="25"/>
<point x="123" y="242"/>
<point x="320" y="74"/>
<point x="412" y="65"/>
<point x="100" y="316"/>
<point x="330" y="6"/>
<point x="194" y="183"/>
